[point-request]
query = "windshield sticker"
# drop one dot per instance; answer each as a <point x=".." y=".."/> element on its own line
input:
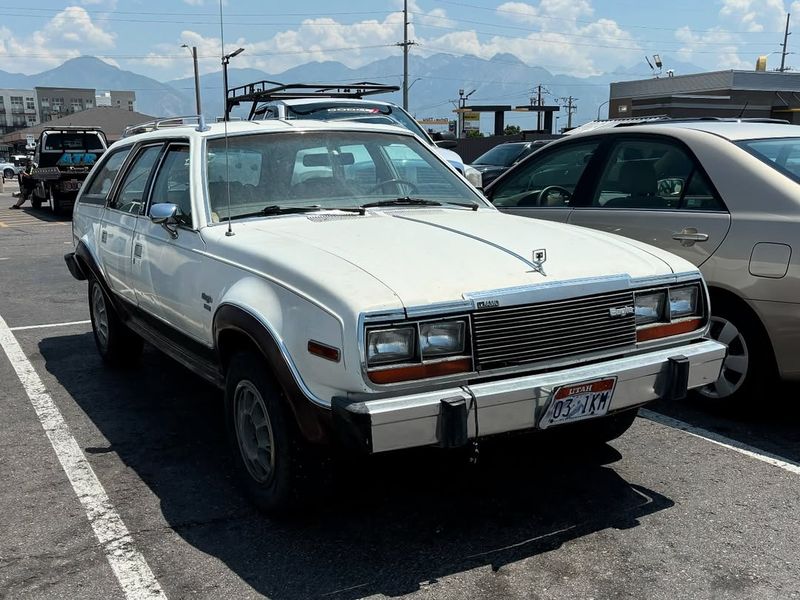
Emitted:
<point x="352" y="109"/>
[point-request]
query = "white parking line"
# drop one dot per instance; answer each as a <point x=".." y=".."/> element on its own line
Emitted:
<point x="725" y="442"/>
<point x="46" y="325"/>
<point x="129" y="566"/>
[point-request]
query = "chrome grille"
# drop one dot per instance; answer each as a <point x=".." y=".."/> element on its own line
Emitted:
<point x="535" y="332"/>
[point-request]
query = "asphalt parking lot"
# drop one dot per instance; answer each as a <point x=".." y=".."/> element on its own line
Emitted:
<point x="691" y="503"/>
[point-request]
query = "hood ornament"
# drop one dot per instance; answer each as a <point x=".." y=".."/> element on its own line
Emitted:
<point x="539" y="257"/>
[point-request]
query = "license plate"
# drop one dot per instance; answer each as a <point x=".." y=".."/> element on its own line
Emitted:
<point x="578" y="401"/>
<point x="71" y="185"/>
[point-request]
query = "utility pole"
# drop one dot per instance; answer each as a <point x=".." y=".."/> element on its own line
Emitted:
<point x="462" y="103"/>
<point x="786" y="34"/>
<point x="405" y="44"/>
<point x="539" y="103"/>
<point x="571" y="108"/>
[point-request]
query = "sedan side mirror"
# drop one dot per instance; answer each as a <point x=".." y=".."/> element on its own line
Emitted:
<point x="165" y="215"/>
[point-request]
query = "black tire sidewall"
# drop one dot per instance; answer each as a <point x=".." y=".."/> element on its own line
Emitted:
<point x="123" y="346"/>
<point x="277" y="493"/>
<point x="760" y="364"/>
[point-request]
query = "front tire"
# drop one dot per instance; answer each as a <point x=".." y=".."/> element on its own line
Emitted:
<point x="274" y="464"/>
<point x="117" y="345"/>
<point x="8" y="174"/>
<point x="747" y="368"/>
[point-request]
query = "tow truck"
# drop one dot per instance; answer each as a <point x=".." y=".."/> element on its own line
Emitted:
<point x="63" y="157"/>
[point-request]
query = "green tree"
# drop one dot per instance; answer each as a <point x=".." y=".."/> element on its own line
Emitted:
<point x="511" y="130"/>
<point x="474" y="133"/>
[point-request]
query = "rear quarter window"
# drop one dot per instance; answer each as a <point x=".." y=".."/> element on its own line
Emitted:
<point x="102" y="178"/>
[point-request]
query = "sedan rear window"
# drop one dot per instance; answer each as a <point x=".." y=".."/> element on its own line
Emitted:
<point x="783" y="154"/>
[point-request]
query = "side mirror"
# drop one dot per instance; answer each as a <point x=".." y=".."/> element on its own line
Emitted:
<point x="165" y="215"/>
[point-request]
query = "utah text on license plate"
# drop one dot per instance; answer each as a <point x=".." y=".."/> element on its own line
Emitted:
<point x="578" y="401"/>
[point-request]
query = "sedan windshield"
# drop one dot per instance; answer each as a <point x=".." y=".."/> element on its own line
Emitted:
<point x="503" y="155"/>
<point x="783" y="154"/>
<point x="281" y="173"/>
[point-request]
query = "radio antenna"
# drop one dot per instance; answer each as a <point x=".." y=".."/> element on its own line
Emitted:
<point x="225" y="119"/>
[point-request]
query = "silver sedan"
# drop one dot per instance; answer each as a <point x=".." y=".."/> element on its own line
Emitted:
<point x="723" y="194"/>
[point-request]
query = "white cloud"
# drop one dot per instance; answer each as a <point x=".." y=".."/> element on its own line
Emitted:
<point x="721" y="42"/>
<point x="568" y="39"/>
<point x="68" y="34"/>
<point x="755" y="15"/>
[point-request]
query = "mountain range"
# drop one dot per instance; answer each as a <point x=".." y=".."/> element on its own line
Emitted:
<point x="435" y="84"/>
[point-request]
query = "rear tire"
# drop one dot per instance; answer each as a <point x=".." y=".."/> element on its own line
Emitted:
<point x="118" y="346"/>
<point x="277" y="468"/>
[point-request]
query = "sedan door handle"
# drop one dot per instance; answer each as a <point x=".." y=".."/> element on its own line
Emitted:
<point x="689" y="236"/>
<point x="103" y="236"/>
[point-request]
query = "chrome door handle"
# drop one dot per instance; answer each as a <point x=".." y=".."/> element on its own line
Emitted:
<point x="689" y="236"/>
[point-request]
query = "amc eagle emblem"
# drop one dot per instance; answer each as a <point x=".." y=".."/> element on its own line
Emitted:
<point x="539" y="257"/>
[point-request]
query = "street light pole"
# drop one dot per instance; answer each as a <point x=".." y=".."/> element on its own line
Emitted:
<point x="193" y="50"/>
<point x="601" y="106"/>
<point x="226" y="59"/>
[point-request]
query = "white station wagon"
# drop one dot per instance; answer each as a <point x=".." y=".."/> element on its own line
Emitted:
<point x="343" y="285"/>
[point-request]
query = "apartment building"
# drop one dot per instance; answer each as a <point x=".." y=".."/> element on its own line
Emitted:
<point x="17" y="109"/>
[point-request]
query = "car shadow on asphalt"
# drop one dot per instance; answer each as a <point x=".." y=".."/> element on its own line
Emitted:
<point x="45" y="215"/>
<point x="770" y="423"/>
<point x="392" y="525"/>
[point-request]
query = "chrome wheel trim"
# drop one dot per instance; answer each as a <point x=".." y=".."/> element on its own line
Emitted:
<point x="254" y="432"/>
<point x="100" y="316"/>
<point x="736" y="363"/>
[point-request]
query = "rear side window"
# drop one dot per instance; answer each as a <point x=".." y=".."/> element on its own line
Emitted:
<point x="103" y="180"/>
<point x="130" y="196"/>
<point x="654" y="174"/>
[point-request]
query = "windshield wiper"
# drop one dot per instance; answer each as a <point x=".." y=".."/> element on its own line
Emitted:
<point x="274" y="209"/>
<point x="407" y="201"/>
<point x="404" y="201"/>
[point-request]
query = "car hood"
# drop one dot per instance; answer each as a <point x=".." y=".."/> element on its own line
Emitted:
<point x="423" y="256"/>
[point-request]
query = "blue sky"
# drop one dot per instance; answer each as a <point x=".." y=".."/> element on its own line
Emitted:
<point x="580" y="37"/>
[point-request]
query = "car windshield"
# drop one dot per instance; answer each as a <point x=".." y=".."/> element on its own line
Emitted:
<point x="73" y="141"/>
<point x="503" y="155"/>
<point x="366" y="112"/>
<point x="270" y="173"/>
<point x="783" y="154"/>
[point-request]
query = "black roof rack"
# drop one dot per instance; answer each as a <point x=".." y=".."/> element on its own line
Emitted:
<point x="265" y="91"/>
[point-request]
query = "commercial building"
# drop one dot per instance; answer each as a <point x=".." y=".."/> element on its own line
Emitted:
<point x="749" y="94"/>
<point x="116" y="99"/>
<point x="55" y="102"/>
<point x="112" y="121"/>
<point x="17" y="109"/>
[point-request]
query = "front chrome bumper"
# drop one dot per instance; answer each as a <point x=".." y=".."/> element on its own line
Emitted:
<point x="518" y="403"/>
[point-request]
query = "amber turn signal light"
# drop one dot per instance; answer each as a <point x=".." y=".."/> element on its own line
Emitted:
<point x="421" y="371"/>
<point x="323" y="350"/>
<point x="656" y="332"/>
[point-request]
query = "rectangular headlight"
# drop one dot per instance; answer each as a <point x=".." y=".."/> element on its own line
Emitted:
<point x="650" y="307"/>
<point x="683" y="302"/>
<point x="390" y="345"/>
<point x="441" y="338"/>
